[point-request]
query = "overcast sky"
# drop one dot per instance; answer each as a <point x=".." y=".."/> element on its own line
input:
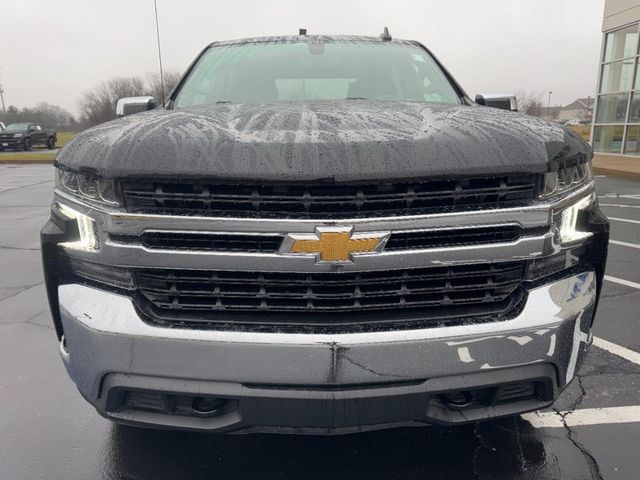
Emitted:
<point x="54" y="50"/>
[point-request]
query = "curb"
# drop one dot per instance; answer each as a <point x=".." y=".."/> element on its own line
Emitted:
<point x="617" y="173"/>
<point x="16" y="161"/>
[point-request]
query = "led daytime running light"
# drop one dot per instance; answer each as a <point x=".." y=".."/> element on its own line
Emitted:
<point x="88" y="241"/>
<point x="567" y="221"/>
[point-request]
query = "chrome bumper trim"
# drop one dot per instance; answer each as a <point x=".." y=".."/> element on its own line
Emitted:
<point x="104" y="334"/>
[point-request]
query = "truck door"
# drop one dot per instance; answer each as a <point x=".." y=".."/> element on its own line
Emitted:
<point x="39" y="136"/>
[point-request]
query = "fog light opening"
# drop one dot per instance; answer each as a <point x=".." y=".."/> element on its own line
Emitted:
<point x="207" y="406"/>
<point x="457" y="400"/>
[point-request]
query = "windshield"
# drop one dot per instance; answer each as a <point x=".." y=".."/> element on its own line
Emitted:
<point x="315" y="70"/>
<point x="17" y="127"/>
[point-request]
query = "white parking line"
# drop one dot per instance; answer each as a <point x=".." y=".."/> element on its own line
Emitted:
<point x="584" y="417"/>
<point x="596" y="416"/>
<point x="624" y="220"/>
<point x="591" y="416"/>
<point x="615" y="195"/>
<point x="618" y="350"/>
<point x="622" y="281"/>
<point x="624" y="244"/>
<point x="619" y="205"/>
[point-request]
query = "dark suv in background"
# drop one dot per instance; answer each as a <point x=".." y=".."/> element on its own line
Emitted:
<point x="22" y="136"/>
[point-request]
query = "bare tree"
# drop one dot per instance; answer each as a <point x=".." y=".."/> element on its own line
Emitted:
<point x="52" y="115"/>
<point x="45" y="113"/>
<point x="530" y="103"/>
<point x="154" y="87"/>
<point x="98" y="105"/>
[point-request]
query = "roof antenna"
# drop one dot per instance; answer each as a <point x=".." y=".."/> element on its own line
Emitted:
<point x="302" y="31"/>
<point x="385" y="36"/>
<point x="155" y="6"/>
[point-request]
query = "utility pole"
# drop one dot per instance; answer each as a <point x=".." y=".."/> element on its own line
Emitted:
<point x="549" y="106"/>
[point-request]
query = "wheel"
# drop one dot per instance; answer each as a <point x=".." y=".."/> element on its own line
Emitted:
<point x="51" y="143"/>
<point x="27" y="144"/>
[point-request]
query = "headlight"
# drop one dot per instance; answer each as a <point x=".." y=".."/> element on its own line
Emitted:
<point x="89" y="187"/>
<point x="567" y="220"/>
<point x="17" y="135"/>
<point x="89" y="240"/>
<point x="566" y="179"/>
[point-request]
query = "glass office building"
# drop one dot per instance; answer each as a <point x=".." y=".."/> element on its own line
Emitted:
<point x="616" y="127"/>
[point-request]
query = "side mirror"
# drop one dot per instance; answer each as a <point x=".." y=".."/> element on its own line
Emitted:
<point x="504" y="102"/>
<point x="129" y="105"/>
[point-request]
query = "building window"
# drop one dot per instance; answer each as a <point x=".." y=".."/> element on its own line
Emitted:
<point x="608" y="139"/>
<point x="618" y="102"/>
<point x="612" y="108"/>
<point x="632" y="144"/>
<point x="621" y="43"/>
<point x="634" y="111"/>
<point x="617" y="76"/>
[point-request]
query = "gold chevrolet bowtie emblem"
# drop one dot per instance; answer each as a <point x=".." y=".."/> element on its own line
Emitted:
<point x="334" y="244"/>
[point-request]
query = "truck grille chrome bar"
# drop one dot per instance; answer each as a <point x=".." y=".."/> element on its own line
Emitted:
<point x="270" y="243"/>
<point x="329" y="201"/>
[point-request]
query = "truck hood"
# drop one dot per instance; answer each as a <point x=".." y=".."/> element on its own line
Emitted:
<point x="11" y="133"/>
<point x="333" y="141"/>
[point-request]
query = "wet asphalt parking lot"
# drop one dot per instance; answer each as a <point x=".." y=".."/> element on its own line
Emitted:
<point x="48" y="431"/>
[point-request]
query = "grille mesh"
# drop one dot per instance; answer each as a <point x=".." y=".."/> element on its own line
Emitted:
<point x="453" y="237"/>
<point x="329" y="201"/>
<point x="212" y="242"/>
<point x="193" y="291"/>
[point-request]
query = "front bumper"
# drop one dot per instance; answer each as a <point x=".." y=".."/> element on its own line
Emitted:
<point x="323" y="383"/>
<point x="11" y="143"/>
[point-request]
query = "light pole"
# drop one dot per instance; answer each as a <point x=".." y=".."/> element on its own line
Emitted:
<point x="2" y="98"/>
<point x="155" y="7"/>
<point x="549" y="106"/>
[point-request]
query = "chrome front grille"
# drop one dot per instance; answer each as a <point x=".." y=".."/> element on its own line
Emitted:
<point x="442" y="268"/>
<point x="270" y="243"/>
<point x="203" y="292"/>
<point x="329" y="201"/>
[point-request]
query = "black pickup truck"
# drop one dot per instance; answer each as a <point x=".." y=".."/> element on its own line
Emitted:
<point x="22" y="136"/>
<point x="322" y="234"/>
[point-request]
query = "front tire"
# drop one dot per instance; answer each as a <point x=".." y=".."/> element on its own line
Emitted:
<point x="51" y="143"/>
<point x="27" y="144"/>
